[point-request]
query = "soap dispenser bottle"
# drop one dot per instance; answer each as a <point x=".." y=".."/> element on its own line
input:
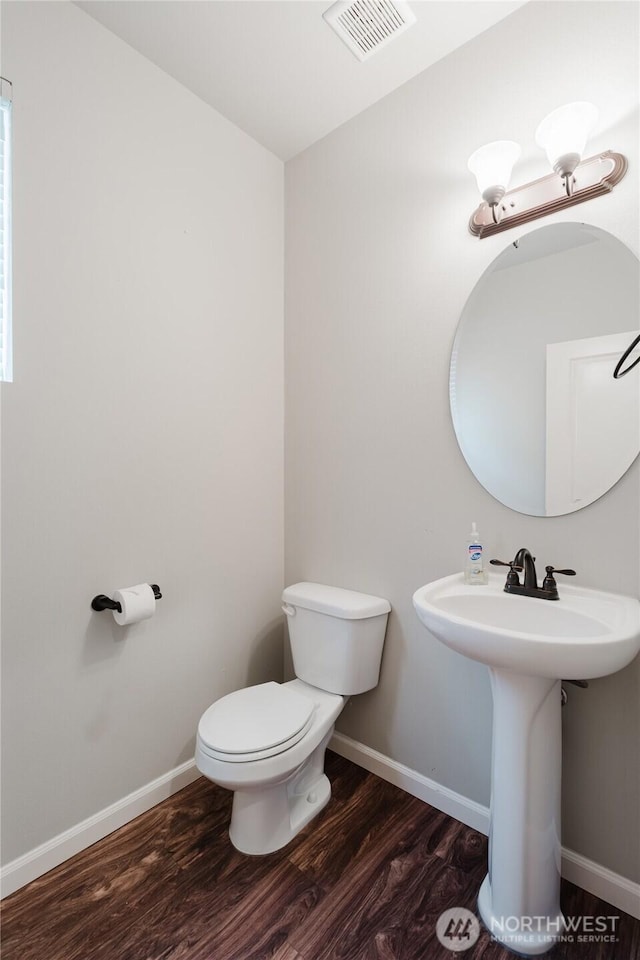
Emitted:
<point x="474" y="569"/>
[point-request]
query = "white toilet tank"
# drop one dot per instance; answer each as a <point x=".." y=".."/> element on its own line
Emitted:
<point x="336" y="636"/>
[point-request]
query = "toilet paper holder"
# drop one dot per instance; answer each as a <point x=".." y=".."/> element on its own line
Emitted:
<point x="103" y="602"/>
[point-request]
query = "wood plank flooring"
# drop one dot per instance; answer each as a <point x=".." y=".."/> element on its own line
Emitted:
<point x="367" y="880"/>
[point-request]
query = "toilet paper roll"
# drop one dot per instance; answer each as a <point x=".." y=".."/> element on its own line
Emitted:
<point x="138" y="603"/>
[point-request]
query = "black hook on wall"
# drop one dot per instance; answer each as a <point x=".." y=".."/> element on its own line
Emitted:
<point x="619" y="372"/>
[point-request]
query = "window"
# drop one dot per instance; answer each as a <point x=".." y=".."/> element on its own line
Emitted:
<point x="6" y="372"/>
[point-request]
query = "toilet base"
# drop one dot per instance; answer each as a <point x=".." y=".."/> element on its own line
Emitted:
<point x="266" y="819"/>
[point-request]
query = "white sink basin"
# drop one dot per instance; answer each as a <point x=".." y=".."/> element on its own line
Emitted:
<point x="584" y="634"/>
<point x="529" y="645"/>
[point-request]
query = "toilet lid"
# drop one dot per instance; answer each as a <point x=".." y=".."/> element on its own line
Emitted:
<point x="255" y="719"/>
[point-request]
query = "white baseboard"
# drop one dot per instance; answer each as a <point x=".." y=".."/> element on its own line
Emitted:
<point x="609" y="886"/>
<point x="454" y="804"/>
<point x="601" y="882"/>
<point x="50" y="854"/>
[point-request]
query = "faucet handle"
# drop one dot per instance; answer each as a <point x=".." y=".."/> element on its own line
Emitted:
<point x="549" y="584"/>
<point x="512" y="576"/>
<point x="567" y="573"/>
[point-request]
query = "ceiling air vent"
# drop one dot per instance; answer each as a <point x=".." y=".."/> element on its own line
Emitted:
<point x="367" y="25"/>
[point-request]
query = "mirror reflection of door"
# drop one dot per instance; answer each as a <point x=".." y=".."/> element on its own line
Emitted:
<point x="559" y="284"/>
<point x="593" y="421"/>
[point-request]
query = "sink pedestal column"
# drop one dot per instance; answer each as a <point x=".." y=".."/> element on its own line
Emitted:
<point x="519" y="900"/>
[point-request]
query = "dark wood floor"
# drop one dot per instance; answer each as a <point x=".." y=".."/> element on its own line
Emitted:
<point x="366" y="880"/>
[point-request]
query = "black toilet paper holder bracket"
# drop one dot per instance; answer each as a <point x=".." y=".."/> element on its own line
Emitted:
<point x="103" y="602"/>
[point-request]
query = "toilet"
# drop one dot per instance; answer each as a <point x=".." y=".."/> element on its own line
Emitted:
<point x="267" y="742"/>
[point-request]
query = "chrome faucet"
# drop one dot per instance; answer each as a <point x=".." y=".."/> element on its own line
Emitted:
<point x="524" y="561"/>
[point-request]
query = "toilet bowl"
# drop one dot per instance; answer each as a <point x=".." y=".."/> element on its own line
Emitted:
<point x="278" y="789"/>
<point x="267" y="742"/>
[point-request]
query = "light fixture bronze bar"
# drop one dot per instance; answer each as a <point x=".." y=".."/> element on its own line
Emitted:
<point x="593" y="177"/>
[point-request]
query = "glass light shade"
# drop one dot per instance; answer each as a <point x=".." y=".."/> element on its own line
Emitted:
<point x="564" y="133"/>
<point x="492" y="165"/>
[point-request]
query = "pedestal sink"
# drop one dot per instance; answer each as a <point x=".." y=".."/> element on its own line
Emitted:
<point x="529" y="645"/>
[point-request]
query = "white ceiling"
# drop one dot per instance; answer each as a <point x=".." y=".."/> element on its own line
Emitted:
<point x="275" y="68"/>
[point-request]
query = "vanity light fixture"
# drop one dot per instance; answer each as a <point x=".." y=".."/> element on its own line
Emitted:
<point x="492" y="166"/>
<point x="563" y="135"/>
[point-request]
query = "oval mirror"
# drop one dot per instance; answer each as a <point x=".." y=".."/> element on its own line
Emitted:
<point x="539" y="417"/>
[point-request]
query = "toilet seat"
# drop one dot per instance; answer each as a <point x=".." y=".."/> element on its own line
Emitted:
<point x="255" y="723"/>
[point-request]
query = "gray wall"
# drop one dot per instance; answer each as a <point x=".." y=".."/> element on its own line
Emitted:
<point x="142" y="437"/>
<point x="378" y="497"/>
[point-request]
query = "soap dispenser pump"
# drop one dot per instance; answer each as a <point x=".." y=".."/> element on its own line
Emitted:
<point x="474" y="570"/>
